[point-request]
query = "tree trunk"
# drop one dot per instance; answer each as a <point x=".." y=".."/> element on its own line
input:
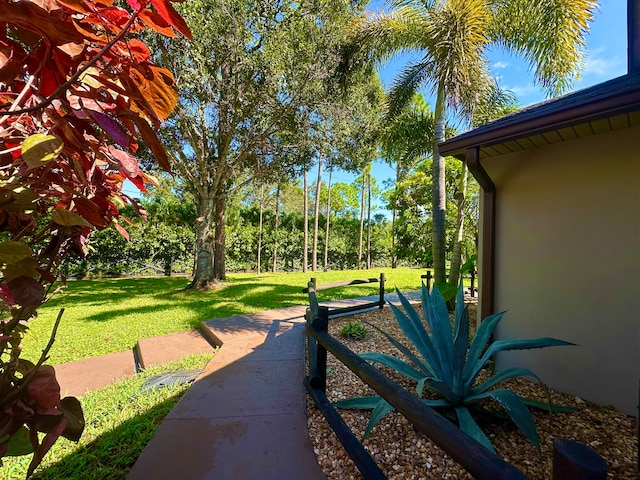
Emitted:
<point x="316" y="219"/>
<point x="260" y="210"/>
<point x="394" y="219"/>
<point x="439" y="186"/>
<point x="203" y="275"/>
<point x="274" y="268"/>
<point x="361" y="220"/>
<point x="219" y="268"/>
<point x="456" y="254"/>
<point x="305" y="247"/>
<point x="368" y="220"/>
<point x="326" y="230"/>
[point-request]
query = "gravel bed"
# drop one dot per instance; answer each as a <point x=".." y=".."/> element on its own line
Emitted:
<point x="404" y="453"/>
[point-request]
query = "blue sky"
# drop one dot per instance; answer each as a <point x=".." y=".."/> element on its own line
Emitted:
<point x="605" y="58"/>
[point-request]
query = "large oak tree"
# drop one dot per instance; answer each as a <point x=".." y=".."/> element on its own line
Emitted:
<point x="249" y="85"/>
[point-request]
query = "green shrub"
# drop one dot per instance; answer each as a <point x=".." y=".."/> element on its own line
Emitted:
<point x="354" y="330"/>
<point x="450" y="365"/>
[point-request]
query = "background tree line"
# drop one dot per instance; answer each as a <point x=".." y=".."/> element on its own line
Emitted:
<point x="273" y="99"/>
<point x="265" y="228"/>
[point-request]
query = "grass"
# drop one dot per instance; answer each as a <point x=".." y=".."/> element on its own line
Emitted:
<point x="120" y="421"/>
<point x="110" y="315"/>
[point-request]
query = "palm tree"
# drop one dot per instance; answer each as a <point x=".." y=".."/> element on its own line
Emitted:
<point x="404" y="142"/>
<point x="453" y="36"/>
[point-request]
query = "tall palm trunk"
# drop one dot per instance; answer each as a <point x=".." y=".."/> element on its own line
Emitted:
<point x="274" y="267"/>
<point x="456" y="254"/>
<point x="260" y="216"/>
<point x="362" y="192"/>
<point x="305" y="247"/>
<point x="394" y="219"/>
<point x="316" y="219"/>
<point x="368" y="220"/>
<point x="326" y="229"/>
<point x="439" y="186"/>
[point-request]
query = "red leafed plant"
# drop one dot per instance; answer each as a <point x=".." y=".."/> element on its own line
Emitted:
<point x="77" y="92"/>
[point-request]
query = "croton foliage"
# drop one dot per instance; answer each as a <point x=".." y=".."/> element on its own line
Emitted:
<point x="78" y="92"/>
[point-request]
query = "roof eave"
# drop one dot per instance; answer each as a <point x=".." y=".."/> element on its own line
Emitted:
<point x="579" y="107"/>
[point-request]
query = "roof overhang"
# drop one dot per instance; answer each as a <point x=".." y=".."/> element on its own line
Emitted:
<point x="607" y="106"/>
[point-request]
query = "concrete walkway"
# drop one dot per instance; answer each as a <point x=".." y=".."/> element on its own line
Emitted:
<point x="244" y="417"/>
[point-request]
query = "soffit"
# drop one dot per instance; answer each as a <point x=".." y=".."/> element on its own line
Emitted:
<point x="606" y="107"/>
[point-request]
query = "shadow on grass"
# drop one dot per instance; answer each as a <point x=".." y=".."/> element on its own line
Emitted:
<point x="231" y="299"/>
<point x="111" y="455"/>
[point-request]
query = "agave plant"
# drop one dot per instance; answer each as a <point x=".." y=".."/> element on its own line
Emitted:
<point x="449" y="366"/>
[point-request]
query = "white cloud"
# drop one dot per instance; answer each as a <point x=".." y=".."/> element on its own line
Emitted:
<point x="500" y="64"/>
<point x="525" y="90"/>
<point x="599" y="64"/>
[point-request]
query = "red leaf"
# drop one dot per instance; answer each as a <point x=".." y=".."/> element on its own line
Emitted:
<point x="128" y="163"/>
<point x="150" y="138"/>
<point x="139" y="182"/>
<point x="157" y="23"/>
<point x="167" y="12"/>
<point x="122" y="231"/>
<point x="90" y="211"/>
<point x="76" y="5"/>
<point x="113" y="128"/>
<point x="43" y="388"/>
<point x="138" y="50"/>
<point x="137" y="4"/>
<point x="12" y="57"/>
<point x="117" y="16"/>
<point x="26" y="292"/>
<point x="157" y="86"/>
<point x="48" y="441"/>
<point x="37" y="20"/>
<point x="6" y="296"/>
<point x="49" y="82"/>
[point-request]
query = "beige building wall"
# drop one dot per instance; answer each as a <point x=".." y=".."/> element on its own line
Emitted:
<point x="568" y="263"/>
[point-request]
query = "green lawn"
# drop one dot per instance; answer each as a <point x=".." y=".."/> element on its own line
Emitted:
<point x="110" y="315"/>
<point x="120" y="421"/>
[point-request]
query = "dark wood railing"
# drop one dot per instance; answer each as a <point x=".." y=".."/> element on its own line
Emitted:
<point x="476" y="459"/>
<point x="471" y="276"/>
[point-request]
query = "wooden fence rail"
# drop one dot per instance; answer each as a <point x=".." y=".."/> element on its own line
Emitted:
<point x="473" y="457"/>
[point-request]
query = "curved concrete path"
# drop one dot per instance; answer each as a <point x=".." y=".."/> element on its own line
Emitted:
<point x="244" y="418"/>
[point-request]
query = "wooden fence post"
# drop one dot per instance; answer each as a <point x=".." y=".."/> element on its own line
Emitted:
<point x="574" y="461"/>
<point x="382" y="280"/>
<point x="473" y="282"/>
<point x="318" y="366"/>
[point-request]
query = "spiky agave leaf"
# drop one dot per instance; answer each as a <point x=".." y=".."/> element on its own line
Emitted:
<point x="436" y="315"/>
<point x="469" y="426"/>
<point x="501" y="377"/>
<point x="415" y="332"/>
<point x="480" y="340"/>
<point x="515" y="409"/>
<point x="460" y="342"/>
<point x="417" y="362"/>
<point x="504" y="345"/>
<point x="394" y="363"/>
<point x="357" y="403"/>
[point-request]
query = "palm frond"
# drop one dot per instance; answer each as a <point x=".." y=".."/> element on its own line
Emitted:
<point x="405" y="86"/>
<point x="550" y="34"/>
<point x="457" y="32"/>
<point x="384" y="35"/>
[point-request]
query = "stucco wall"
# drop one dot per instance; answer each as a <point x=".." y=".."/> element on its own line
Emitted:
<point x="568" y="262"/>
